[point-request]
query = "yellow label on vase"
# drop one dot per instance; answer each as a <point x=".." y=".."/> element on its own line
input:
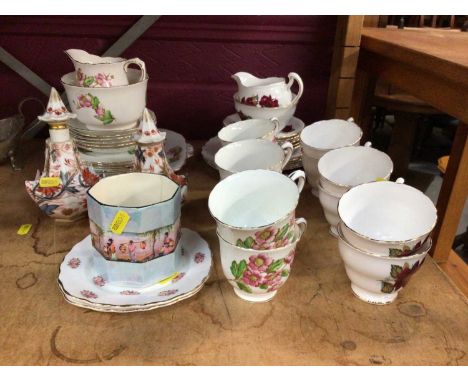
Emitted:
<point x="119" y="223"/>
<point x="24" y="229"/>
<point x="49" y="181"/>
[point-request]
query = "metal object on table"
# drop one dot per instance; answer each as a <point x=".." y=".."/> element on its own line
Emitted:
<point x="11" y="130"/>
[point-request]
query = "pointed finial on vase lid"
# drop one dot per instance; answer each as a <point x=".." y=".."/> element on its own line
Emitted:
<point x="148" y="130"/>
<point x="56" y="111"/>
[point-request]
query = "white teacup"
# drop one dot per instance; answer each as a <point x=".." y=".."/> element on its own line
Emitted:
<point x="322" y="136"/>
<point x="351" y="166"/>
<point x="386" y="218"/>
<point x="329" y="202"/>
<point x="378" y="279"/>
<point x="255" y="204"/>
<point x="249" y="129"/>
<point x="252" y="154"/>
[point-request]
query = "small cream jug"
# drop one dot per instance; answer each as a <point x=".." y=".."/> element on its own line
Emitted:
<point x="267" y="92"/>
<point x="102" y="72"/>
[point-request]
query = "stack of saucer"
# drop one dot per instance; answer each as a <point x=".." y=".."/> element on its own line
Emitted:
<point x="111" y="152"/>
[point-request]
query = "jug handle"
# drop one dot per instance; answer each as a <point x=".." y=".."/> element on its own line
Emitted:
<point x="21" y="104"/>
<point x="276" y="122"/>
<point x="302" y="224"/>
<point x="300" y="176"/>
<point x="138" y="62"/>
<point x="288" y="149"/>
<point x="295" y="77"/>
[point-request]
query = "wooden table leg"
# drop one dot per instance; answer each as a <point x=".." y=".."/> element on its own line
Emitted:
<point x="452" y="196"/>
<point x="401" y="143"/>
<point x="361" y="106"/>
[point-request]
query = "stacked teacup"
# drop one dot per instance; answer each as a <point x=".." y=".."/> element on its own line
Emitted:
<point x="344" y="168"/>
<point x="383" y="237"/>
<point x="250" y="145"/>
<point x="257" y="229"/>
<point x="272" y="99"/>
<point x="320" y="137"/>
<point x="108" y="98"/>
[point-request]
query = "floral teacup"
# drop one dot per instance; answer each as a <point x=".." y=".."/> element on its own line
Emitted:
<point x="256" y="275"/>
<point x="378" y="279"/>
<point x="255" y="203"/>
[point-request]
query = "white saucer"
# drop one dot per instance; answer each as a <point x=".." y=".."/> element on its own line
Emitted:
<point x="81" y="287"/>
<point x="176" y="148"/>
<point x="211" y="147"/>
<point x="296" y="125"/>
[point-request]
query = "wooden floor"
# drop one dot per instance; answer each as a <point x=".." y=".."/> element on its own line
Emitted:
<point x="313" y="320"/>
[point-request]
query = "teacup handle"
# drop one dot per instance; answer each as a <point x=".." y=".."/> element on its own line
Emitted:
<point x="400" y="181"/>
<point x="368" y="144"/>
<point x="302" y="224"/>
<point x="138" y="62"/>
<point x="288" y="149"/>
<point x="300" y="176"/>
<point x="295" y="77"/>
<point x="350" y="119"/>
<point x="276" y="123"/>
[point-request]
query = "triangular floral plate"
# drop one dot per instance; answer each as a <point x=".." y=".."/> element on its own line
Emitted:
<point x="82" y="287"/>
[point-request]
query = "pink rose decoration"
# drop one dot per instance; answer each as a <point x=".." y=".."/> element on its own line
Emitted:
<point x="74" y="262"/>
<point x="259" y="263"/>
<point x="99" y="281"/>
<point x="252" y="277"/>
<point x="273" y="281"/>
<point x="88" y="294"/>
<point x="266" y="236"/>
<point x="84" y="101"/>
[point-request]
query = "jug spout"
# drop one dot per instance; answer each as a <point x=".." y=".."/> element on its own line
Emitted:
<point x="78" y="55"/>
<point x="244" y="79"/>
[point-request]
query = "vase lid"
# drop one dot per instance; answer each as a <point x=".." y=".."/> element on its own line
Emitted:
<point x="56" y="110"/>
<point x="148" y="130"/>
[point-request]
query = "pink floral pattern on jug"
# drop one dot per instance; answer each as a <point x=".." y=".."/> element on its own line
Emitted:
<point x="261" y="272"/>
<point x="100" y="80"/>
<point x="85" y="101"/>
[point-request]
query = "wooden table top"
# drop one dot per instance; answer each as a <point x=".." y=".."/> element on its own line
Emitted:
<point x="314" y="319"/>
<point x="445" y="50"/>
